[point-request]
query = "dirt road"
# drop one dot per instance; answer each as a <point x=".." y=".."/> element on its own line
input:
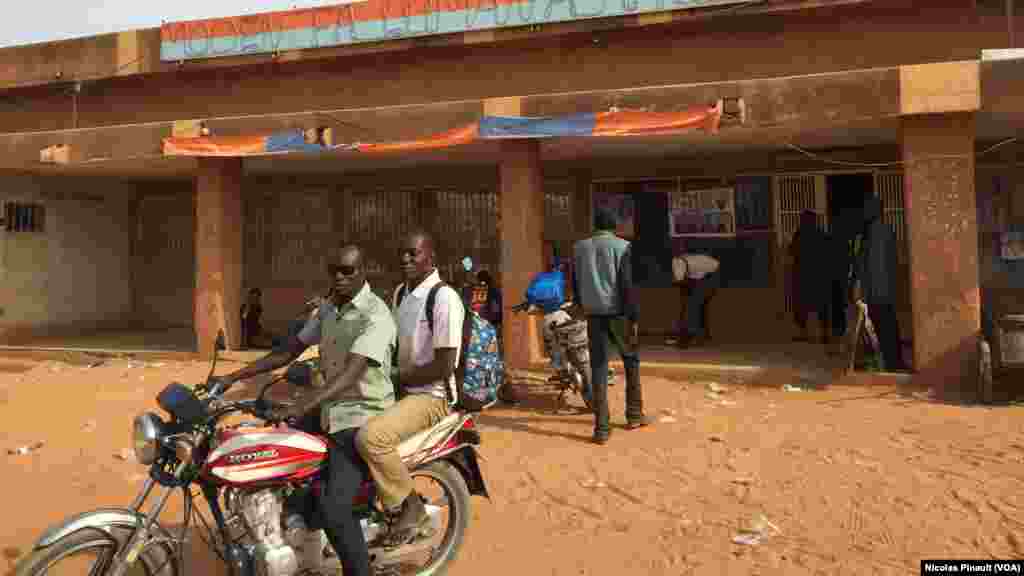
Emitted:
<point x="856" y="481"/>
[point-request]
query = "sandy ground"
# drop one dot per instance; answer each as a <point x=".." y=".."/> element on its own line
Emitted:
<point x="856" y="480"/>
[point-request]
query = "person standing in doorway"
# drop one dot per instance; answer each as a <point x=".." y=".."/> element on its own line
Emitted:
<point x="876" y="268"/>
<point x="811" y="285"/>
<point x="699" y="278"/>
<point x="838" y="263"/>
<point x="490" y="309"/>
<point x="603" y="286"/>
<point x="252" y="320"/>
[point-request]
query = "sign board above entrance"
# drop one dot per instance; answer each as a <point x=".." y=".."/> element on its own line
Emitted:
<point x="380" y="20"/>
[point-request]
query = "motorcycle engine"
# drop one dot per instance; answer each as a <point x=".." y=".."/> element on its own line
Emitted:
<point x="262" y="513"/>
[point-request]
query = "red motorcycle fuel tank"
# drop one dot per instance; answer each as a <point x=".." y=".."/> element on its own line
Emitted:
<point x="260" y="455"/>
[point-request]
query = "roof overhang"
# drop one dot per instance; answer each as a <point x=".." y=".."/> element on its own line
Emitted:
<point x="851" y="109"/>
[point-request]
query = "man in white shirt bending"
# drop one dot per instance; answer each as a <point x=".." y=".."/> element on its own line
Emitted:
<point x="697" y="275"/>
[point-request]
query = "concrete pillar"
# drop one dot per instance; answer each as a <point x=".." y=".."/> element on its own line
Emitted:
<point x="218" y="252"/>
<point x="521" y="229"/>
<point x="941" y="219"/>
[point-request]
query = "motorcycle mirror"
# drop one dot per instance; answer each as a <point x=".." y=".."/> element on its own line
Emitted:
<point x="467" y="263"/>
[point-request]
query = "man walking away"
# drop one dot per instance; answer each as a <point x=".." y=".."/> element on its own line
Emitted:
<point x="876" y="269"/>
<point x="603" y="285"/>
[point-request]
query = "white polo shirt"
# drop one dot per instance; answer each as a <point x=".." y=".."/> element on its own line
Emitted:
<point x="693" y="266"/>
<point x="416" y="343"/>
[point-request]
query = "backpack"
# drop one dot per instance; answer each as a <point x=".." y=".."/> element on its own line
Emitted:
<point x="480" y="372"/>
<point x="547" y="289"/>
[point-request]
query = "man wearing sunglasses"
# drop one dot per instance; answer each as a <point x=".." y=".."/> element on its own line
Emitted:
<point x="356" y="334"/>
<point x="428" y="352"/>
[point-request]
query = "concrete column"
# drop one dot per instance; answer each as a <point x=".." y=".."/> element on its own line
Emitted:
<point x="218" y="252"/>
<point x="521" y="229"/>
<point x="941" y="219"/>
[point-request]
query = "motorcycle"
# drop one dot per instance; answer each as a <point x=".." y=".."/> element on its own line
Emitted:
<point x="567" y="337"/>
<point x="248" y="475"/>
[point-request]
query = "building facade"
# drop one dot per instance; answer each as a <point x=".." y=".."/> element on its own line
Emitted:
<point x="840" y="99"/>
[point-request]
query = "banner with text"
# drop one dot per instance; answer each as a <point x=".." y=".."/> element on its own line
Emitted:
<point x="360" y="21"/>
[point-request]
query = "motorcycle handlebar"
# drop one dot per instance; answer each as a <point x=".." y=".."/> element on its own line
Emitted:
<point x="524" y="306"/>
<point x="259" y="407"/>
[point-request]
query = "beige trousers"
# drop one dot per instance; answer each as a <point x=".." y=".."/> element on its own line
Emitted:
<point x="378" y="440"/>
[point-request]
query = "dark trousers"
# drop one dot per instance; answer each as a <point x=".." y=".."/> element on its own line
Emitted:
<point x="840" y="300"/>
<point x="600" y="334"/>
<point x="803" y="309"/>
<point x="699" y="293"/>
<point x="887" y="327"/>
<point x="346" y="473"/>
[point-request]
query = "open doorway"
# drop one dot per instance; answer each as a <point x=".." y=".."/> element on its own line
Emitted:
<point x="846" y="196"/>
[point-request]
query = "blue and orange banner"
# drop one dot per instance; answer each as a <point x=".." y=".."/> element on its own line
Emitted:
<point x="600" y="124"/>
<point x="360" y="21"/>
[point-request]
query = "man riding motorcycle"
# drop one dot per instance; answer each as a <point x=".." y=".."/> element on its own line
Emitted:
<point x="428" y="352"/>
<point x="356" y="334"/>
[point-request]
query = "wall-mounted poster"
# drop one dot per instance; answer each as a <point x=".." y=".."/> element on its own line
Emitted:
<point x="1012" y="245"/>
<point x="710" y="212"/>
<point x="613" y="195"/>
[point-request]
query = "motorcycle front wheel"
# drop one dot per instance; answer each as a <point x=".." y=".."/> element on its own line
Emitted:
<point x="582" y="385"/>
<point x="65" y="556"/>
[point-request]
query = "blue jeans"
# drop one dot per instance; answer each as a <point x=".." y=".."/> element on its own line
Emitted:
<point x="600" y="332"/>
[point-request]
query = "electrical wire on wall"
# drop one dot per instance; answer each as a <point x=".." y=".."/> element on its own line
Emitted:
<point x="821" y="158"/>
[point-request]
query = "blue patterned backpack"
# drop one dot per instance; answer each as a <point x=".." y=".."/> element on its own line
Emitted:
<point x="481" y="372"/>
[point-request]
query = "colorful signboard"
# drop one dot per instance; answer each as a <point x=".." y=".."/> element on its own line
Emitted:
<point x="380" y="20"/>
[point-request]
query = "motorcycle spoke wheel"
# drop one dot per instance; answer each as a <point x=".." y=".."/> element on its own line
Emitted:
<point x="438" y="486"/>
<point x="88" y="552"/>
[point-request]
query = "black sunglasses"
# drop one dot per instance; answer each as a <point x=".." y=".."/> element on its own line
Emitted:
<point x="335" y="269"/>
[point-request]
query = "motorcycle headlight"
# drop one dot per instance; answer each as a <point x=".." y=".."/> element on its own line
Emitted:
<point x="147" y="433"/>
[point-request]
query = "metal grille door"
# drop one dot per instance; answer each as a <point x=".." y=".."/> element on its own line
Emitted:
<point x="889" y="189"/>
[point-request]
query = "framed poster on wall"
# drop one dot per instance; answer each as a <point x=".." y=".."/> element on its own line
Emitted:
<point x="1012" y="245"/>
<point x="710" y="212"/>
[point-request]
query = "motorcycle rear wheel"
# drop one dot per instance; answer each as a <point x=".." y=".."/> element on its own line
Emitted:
<point x="448" y="476"/>
<point x="156" y="560"/>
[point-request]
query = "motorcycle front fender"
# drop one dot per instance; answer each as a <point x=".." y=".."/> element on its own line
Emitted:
<point x="96" y="519"/>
